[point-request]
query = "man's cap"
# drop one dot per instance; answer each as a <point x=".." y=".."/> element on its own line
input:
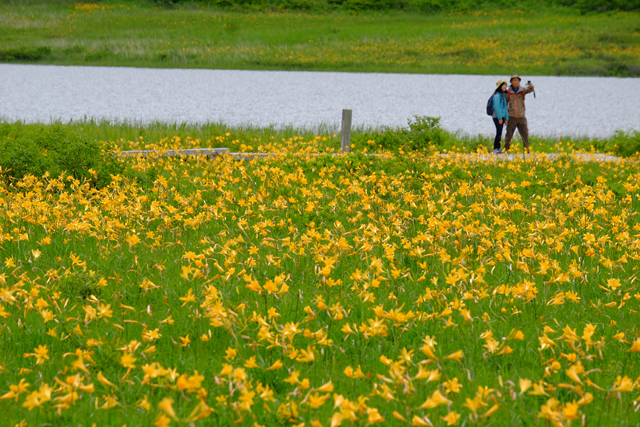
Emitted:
<point x="515" y="76"/>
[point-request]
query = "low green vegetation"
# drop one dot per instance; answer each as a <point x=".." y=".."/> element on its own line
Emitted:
<point x="75" y="147"/>
<point x="541" y="40"/>
<point x="428" y="6"/>
<point x="54" y="150"/>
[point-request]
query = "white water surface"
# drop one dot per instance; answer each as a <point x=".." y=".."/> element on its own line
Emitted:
<point x="577" y="106"/>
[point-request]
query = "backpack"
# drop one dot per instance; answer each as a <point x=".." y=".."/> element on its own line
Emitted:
<point x="490" y="106"/>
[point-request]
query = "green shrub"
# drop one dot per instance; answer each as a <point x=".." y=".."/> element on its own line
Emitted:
<point x="425" y="6"/>
<point x="625" y="144"/>
<point x="79" y="285"/>
<point x="363" y="5"/>
<point x="586" y="6"/>
<point x="36" y="150"/>
<point x="25" y="54"/>
<point x="422" y="133"/>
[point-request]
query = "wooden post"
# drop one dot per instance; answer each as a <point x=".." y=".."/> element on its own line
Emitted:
<point x="345" y="136"/>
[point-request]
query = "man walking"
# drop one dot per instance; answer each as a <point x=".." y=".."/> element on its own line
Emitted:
<point x="517" y="118"/>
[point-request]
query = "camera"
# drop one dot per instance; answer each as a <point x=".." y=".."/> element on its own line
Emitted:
<point x="529" y="84"/>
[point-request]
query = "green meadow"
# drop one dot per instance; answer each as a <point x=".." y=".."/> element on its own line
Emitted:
<point x="404" y="289"/>
<point x="548" y="41"/>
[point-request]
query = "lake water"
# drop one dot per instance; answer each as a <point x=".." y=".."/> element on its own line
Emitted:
<point x="593" y="106"/>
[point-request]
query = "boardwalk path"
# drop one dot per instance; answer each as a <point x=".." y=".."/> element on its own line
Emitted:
<point x="536" y="157"/>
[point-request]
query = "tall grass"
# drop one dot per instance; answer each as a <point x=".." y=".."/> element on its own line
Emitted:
<point x="125" y="135"/>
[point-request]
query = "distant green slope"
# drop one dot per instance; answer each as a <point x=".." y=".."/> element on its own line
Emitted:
<point x="545" y="42"/>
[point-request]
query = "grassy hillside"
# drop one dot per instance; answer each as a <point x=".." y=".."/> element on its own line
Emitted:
<point x="546" y="42"/>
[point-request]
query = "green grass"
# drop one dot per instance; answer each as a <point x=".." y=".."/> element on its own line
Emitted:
<point x="387" y="203"/>
<point x="88" y="271"/>
<point x="543" y="42"/>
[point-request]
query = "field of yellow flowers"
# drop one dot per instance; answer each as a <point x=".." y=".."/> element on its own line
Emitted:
<point x="323" y="291"/>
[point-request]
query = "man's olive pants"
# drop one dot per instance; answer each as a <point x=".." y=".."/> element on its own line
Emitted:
<point x="523" y="129"/>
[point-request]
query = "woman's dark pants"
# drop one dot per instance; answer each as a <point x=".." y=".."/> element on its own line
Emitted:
<point x="496" y="142"/>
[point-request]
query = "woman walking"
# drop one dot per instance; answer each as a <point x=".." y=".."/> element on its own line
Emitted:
<point x="500" y="113"/>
